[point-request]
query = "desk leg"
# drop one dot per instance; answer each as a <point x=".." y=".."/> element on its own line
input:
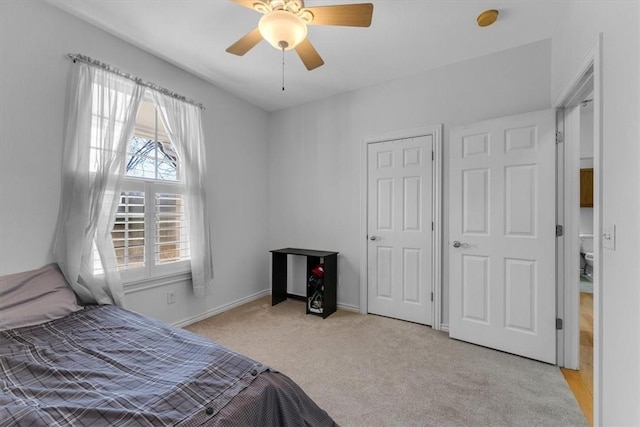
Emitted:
<point x="278" y="278"/>
<point x="330" y="284"/>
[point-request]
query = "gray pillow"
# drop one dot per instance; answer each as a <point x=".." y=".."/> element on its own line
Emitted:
<point x="35" y="297"/>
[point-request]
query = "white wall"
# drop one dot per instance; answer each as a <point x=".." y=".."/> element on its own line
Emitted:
<point x="619" y="23"/>
<point x="34" y="40"/>
<point x="315" y="149"/>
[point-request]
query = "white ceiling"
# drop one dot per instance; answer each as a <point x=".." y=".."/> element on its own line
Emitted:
<point x="405" y="37"/>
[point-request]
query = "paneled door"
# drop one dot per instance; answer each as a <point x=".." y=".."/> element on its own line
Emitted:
<point x="399" y="216"/>
<point x="502" y="291"/>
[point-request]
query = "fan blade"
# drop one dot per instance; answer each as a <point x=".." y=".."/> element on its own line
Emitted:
<point x="246" y="43"/>
<point x="248" y="3"/>
<point x="309" y="55"/>
<point x="349" y="15"/>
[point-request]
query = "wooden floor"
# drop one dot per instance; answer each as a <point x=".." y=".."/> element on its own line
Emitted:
<point x="581" y="382"/>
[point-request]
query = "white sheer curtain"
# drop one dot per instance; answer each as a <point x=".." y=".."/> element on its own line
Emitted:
<point x="101" y="113"/>
<point x="183" y="124"/>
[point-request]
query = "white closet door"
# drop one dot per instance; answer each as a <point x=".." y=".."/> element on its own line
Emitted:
<point x="399" y="228"/>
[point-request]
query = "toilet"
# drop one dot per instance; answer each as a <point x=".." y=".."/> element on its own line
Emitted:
<point x="586" y="251"/>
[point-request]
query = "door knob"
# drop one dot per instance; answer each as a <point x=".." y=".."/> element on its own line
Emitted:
<point x="458" y="244"/>
<point x="372" y="238"/>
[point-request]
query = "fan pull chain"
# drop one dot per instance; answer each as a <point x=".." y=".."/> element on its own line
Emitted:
<point x="283" y="67"/>
<point x="283" y="45"/>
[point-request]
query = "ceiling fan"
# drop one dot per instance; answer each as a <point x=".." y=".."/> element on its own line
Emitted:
<point x="284" y="25"/>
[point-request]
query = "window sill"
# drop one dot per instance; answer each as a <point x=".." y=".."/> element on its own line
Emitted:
<point x="155" y="282"/>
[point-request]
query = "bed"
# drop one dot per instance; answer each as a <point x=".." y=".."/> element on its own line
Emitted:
<point x="107" y="366"/>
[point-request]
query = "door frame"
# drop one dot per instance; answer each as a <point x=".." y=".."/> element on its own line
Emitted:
<point x="568" y="295"/>
<point x="436" y="194"/>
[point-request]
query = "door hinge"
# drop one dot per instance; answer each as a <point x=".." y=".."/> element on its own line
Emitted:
<point x="431" y="225"/>
<point x="559" y="230"/>
<point x="559" y="137"/>
<point x="433" y="156"/>
<point x="431" y="296"/>
<point x="559" y="324"/>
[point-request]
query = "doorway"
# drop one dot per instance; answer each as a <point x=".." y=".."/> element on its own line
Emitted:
<point x="585" y="255"/>
<point x="577" y="124"/>
<point x="579" y="121"/>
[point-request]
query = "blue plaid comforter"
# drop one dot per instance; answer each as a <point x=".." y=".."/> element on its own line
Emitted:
<point x="108" y="366"/>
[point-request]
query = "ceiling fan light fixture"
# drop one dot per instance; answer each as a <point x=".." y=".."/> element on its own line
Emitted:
<point x="282" y="29"/>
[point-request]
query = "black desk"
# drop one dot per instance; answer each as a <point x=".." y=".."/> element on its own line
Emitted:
<point x="279" y="276"/>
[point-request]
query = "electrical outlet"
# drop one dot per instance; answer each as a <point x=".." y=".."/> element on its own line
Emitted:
<point x="171" y="297"/>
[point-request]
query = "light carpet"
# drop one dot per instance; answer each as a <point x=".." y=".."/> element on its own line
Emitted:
<point x="367" y="370"/>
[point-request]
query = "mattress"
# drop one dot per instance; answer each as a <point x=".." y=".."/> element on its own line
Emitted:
<point x="107" y="366"/>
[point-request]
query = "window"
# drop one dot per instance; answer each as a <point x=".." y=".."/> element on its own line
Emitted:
<point x="150" y="232"/>
<point x="157" y="221"/>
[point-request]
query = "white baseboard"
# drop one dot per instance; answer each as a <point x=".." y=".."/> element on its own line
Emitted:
<point x="239" y="302"/>
<point x="349" y="307"/>
<point x="444" y="327"/>
<point x="221" y="309"/>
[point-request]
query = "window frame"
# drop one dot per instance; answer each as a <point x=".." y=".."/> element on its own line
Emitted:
<point x="151" y="269"/>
